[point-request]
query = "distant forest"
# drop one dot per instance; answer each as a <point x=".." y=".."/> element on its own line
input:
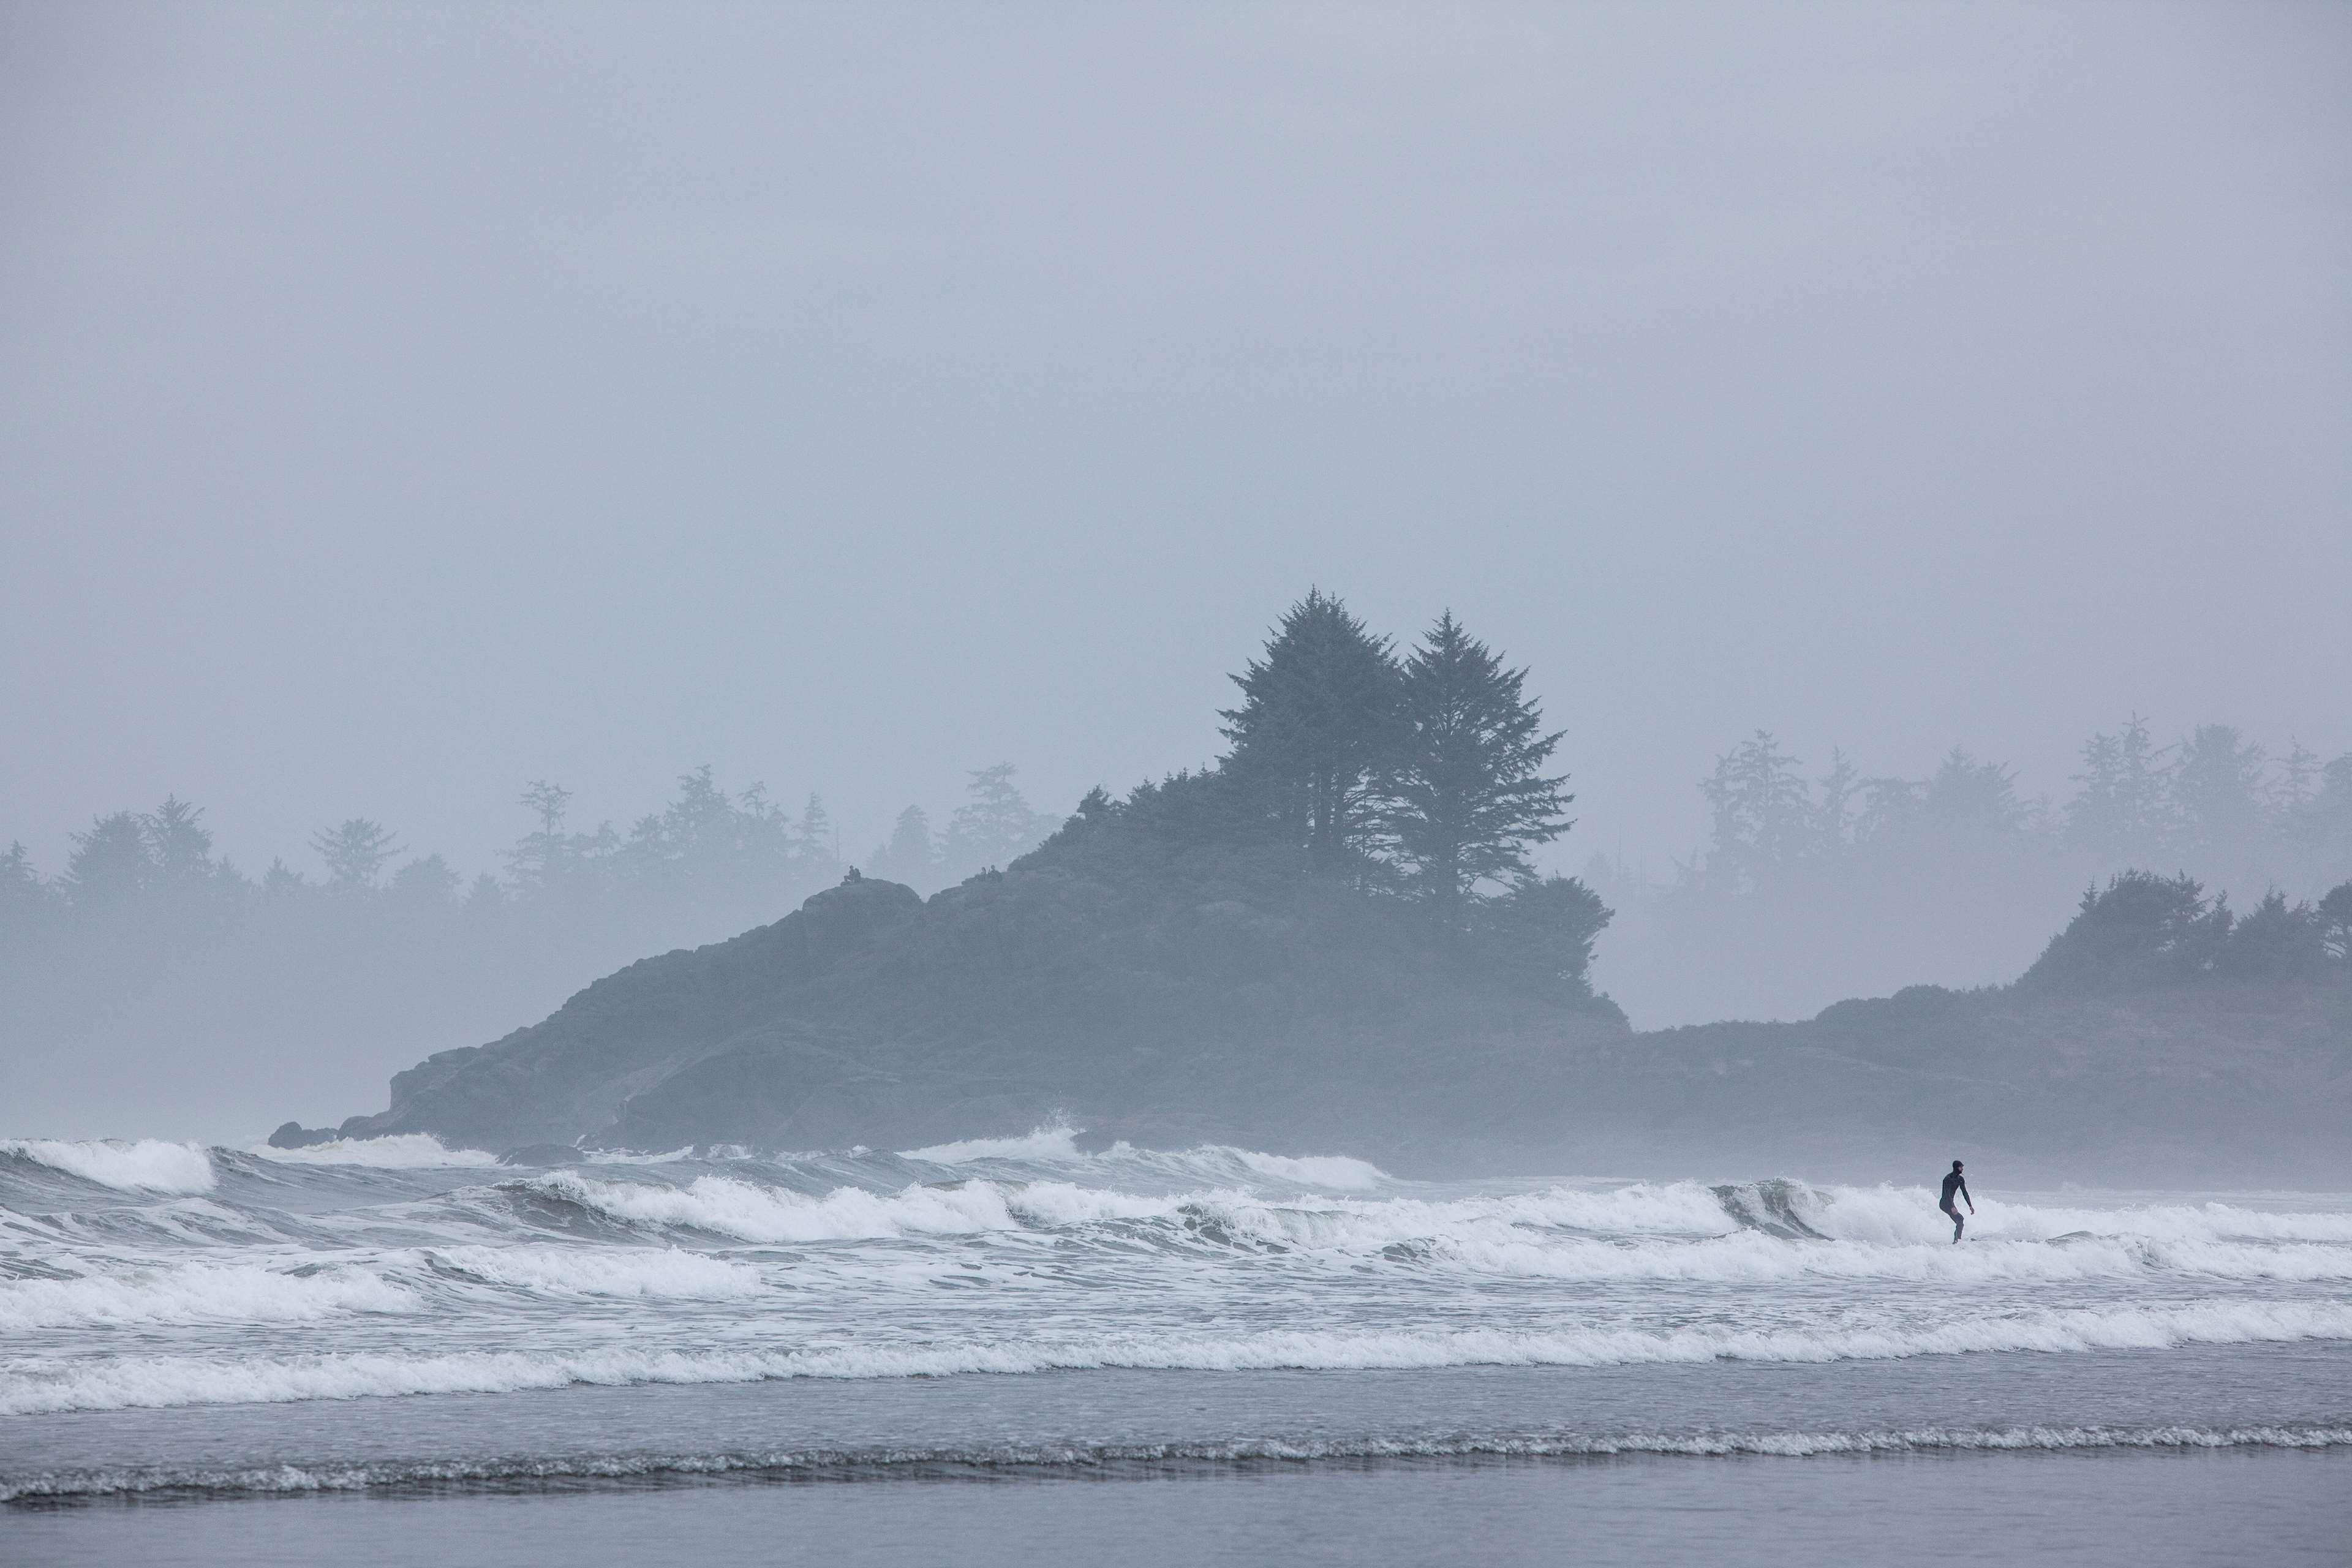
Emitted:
<point x="1422" y="776"/>
<point x="1819" y="883"/>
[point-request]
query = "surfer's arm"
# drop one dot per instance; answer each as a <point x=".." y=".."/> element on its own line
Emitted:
<point x="1964" y="1193"/>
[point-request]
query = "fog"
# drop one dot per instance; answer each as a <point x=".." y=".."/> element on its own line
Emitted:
<point x="406" y="405"/>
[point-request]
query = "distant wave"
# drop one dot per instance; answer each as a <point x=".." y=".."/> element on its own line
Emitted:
<point x="1056" y="1146"/>
<point x="146" y="1165"/>
<point x="125" y="1382"/>
<point x="193" y="1482"/>
<point x="1056" y="1143"/>
<point x="749" y="1211"/>
<point x="403" y="1281"/>
<point x="196" y="1292"/>
<point x="399" y="1151"/>
<point x="1677" y="1233"/>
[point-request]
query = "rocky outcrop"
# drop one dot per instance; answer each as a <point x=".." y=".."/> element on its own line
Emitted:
<point x="873" y="1016"/>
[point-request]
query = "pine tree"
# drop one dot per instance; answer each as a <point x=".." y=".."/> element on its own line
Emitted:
<point x="179" y="843"/>
<point x="1970" y="807"/>
<point x="1320" y="727"/>
<point x="909" y="857"/>
<point x="23" y="895"/>
<point x="111" y="863"/>
<point x="2217" y="787"/>
<point x="2120" y="814"/>
<point x="995" y="828"/>
<point x="1469" y="797"/>
<point x="815" y="850"/>
<point x="354" y="853"/>
<point x="1764" y="815"/>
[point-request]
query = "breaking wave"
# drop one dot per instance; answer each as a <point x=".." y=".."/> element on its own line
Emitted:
<point x="147" y="1165"/>
<point x="1058" y="1143"/>
<point x="399" y="1151"/>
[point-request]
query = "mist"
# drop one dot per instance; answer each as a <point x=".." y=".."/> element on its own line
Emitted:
<point x="413" y="408"/>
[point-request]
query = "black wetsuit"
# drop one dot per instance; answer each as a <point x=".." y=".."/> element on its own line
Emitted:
<point x="1954" y="1183"/>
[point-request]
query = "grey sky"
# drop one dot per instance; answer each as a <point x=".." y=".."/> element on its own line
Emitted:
<point x="402" y="403"/>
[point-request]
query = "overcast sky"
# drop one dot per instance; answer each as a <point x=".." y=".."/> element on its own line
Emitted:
<point x="404" y="403"/>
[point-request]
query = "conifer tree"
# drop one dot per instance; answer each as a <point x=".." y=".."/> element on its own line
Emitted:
<point x="2121" y="812"/>
<point x="1320" y="727"/>
<point x="1764" y="817"/>
<point x="355" y="853"/>
<point x="178" y="842"/>
<point x="111" y="863"/>
<point x="1470" y="797"/>
<point x="995" y="828"/>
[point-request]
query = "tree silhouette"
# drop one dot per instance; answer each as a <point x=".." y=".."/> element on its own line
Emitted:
<point x="1320" y="726"/>
<point x="1469" y="797"/>
<point x="909" y="857"/>
<point x="178" y="842"/>
<point x="2217" y="790"/>
<point x="2120" y="810"/>
<point x="111" y="864"/>
<point x="2141" y="930"/>
<point x="994" y="827"/>
<point x="354" y="853"/>
<point x="1762" y="811"/>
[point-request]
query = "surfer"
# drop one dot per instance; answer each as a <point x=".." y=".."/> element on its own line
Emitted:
<point x="1956" y="1183"/>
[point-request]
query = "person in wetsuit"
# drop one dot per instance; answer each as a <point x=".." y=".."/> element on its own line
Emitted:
<point x="1956" y="1183"/>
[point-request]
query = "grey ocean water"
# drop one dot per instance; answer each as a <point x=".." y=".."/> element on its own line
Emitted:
<point x="391" y="1352"/>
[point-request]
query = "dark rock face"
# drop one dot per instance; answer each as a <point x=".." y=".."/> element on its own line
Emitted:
<point x="294" y="1135"/>
<point x="872" y="1017"/>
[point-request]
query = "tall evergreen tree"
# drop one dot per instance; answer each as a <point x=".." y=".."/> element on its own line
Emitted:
<point x="355" y="853"/>
<point x="1763" y="814"/>
<point x="178" y="842"/>
<point x="111" y="864"/>
<point x="1970" y="809"/>
<point x="1320" y="727"/>
<point x="22" y="894"/>
<point x="2217" y="789"/>
<point x="1469" y="797"/>
<point x="911" y="857"/>
<point x="995" y="826"/>
<point x="2120" y="814"/>
<point x="814" y="848"/>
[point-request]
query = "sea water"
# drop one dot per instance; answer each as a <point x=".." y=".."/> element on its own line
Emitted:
<point x="1010" y="1349"/>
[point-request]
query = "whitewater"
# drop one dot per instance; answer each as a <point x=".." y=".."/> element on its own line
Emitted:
<point x="383" y="1317"/>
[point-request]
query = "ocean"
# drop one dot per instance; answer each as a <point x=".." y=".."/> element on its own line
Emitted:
<point x="1009" y="1351"/>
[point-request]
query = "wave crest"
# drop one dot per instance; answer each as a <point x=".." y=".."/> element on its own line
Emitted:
<point x="145" y="1165"/>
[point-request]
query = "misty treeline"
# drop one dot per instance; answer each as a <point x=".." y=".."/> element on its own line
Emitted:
<point x="718" y="855"/>
<point x="1816" y="883"/>
<point x="2146" y="932"/>
<point x="148" y="934"/>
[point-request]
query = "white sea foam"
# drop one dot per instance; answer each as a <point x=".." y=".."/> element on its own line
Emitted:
<point x="646" y="1273"/>
<point x="399" y="1151"/>
<point x="191" y="1294"/>
<point x="1056" y="1143"/>
<point x="1907" y="1215"/>
<point x="148" y="1165"/>
<point x="1339" y="1170"/>
<point x="727" y="1206"/>
<point x="139" y="1381"/>
<point x="1671" y="1234"/>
